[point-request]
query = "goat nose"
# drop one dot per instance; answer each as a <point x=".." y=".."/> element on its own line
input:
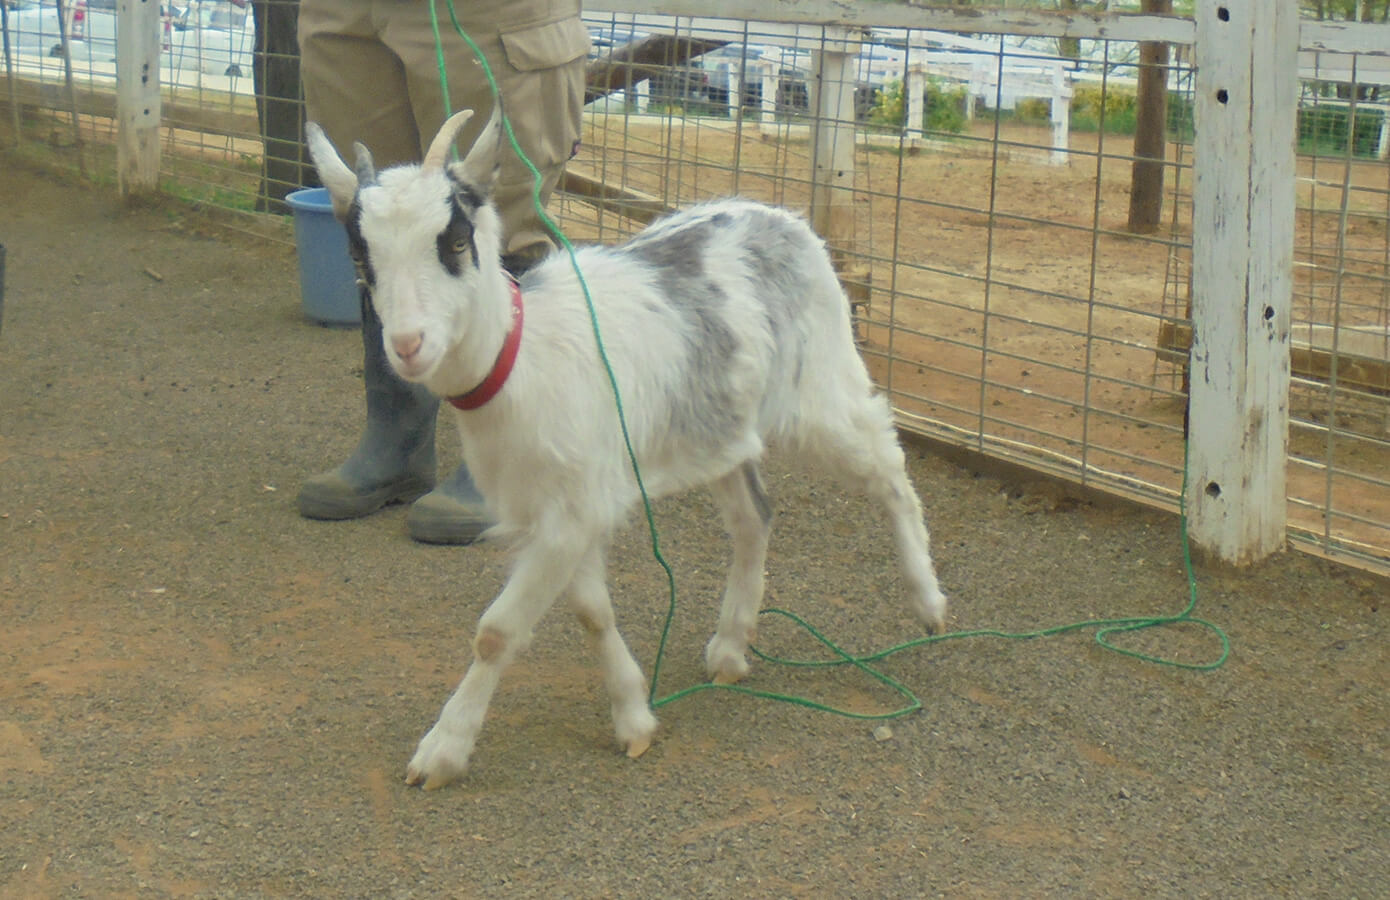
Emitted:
<point x="407" y="345"/>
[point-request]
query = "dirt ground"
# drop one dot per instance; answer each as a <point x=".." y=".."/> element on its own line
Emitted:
<point x="203" y="694"/>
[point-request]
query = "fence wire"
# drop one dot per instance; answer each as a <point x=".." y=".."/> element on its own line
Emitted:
<point x="978" y="192"/>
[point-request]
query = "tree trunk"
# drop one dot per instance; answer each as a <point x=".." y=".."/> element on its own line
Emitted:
<point x="280" y="104"/>
<point x="1068" y="47"/>
<point x="1150" y="131"/>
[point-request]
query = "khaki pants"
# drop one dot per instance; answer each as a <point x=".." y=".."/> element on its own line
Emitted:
<point x="371" y="74"/>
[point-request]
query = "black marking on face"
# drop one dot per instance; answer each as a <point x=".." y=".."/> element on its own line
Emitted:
<point x="357" y="246"/>
<point x="468" y="195"/>
<point x="457" y="238"/>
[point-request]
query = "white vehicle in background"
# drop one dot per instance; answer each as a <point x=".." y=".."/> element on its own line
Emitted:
<point x="216" y="38"/>
<point x="213" y="38"/>
<point x="33" y="28"/>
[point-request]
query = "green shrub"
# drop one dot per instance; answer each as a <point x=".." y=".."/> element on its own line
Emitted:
<point x="887" y="109"/>
<point x="1089" y="102"/>
<point x="1033" y="111"/>
<point x="1324" y="130"/>
<point x="1181" y="120"/>
<point x="944" y="102"/>
<point x="946" y="106"/>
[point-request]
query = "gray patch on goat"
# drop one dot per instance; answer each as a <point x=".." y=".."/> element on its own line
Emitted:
<point x="773" y="252"/>
<point x="757" y="492"/>
<point x="704" y="412"/>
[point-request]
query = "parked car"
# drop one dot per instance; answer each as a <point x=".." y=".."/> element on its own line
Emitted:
<point x="33" y="27"/>
<point x="216" y="39"/>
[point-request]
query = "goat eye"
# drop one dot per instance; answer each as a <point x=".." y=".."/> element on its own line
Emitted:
<point x="460" y="247"/>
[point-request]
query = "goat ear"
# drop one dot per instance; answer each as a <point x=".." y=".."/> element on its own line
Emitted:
<point x="438" y="154"/>
<point x="480" y="166"/>
<point x="333" y="172"/>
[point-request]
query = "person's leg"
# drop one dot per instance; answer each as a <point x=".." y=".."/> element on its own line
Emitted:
<point x="538" y="63"/>
<point x="537" y="51"/>
<point x="354" y="88"/>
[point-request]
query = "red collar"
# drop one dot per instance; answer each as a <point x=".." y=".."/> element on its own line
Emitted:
<point x="489" y="386"/>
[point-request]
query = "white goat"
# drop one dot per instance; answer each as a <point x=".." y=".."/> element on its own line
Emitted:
<point x="724" y="325"/>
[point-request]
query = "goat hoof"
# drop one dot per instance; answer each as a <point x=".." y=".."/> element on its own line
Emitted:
<point x="932" y="613"/>
<point x="637" y="746"/>
<point x="429" y="781"/>
<point x="435" y="763"/>
<point x="729" y="670"/>
<point x="725" y="662"/>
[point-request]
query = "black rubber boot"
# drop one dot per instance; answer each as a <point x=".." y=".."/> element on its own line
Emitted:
<point x="394" y="461"/>
<point x="452" y="513"/>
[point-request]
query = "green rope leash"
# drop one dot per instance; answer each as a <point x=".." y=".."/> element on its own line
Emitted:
<point x="1105" y="627"/>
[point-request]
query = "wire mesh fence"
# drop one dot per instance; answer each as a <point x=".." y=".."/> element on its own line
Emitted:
<point x="981" y="194"/>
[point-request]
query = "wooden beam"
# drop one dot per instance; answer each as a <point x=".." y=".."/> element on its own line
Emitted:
<point x="94" y="101"/>
<point x="864" y="13"/>
<point x="1352" y="369"/>
<point x="640" y="60"/>
<point x="644" y="208"/>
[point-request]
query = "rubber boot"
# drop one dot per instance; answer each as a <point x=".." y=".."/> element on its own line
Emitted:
<point x="395" y="460"/>
<point x="452" y="513"/>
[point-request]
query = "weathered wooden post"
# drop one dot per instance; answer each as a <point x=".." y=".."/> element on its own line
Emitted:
<point x="1061" y="117"/>
<point x="915" y="86"/>
<point x="833" y="136"/>
<point x="767" y="112"/>
<point x="1242" y="275"/>
<point x="137" y="96"/>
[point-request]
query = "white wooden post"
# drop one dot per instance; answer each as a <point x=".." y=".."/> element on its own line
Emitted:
<point x="833" y="137"/>
<point x="1242" y="275"/>
<point x="727" y="76"/>
<point x="1061" y="116"/>
<point x="137" y="96"/>
<point x="915" y="84"/>
<point x="770" y="78"/>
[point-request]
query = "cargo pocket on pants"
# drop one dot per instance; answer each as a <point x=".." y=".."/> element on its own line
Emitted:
<point x="546" y="46"/>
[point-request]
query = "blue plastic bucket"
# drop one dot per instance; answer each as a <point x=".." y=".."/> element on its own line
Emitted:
<point x="327" y="280"/>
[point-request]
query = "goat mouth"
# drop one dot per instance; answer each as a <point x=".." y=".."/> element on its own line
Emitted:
<point x="412" y="369"/>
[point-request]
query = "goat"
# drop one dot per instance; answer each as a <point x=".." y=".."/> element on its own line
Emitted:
<point x="724" y="326"/>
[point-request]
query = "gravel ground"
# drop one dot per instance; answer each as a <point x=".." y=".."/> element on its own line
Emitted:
<point x="203" y="694"/>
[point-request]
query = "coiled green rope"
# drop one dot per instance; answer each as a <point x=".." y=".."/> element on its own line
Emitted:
<point x="1105" y="628"/>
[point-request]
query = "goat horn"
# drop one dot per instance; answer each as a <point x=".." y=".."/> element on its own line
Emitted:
<point x="366" y="168"/>
<point x="439" y="148"/>
<point x="336" y="176"/>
